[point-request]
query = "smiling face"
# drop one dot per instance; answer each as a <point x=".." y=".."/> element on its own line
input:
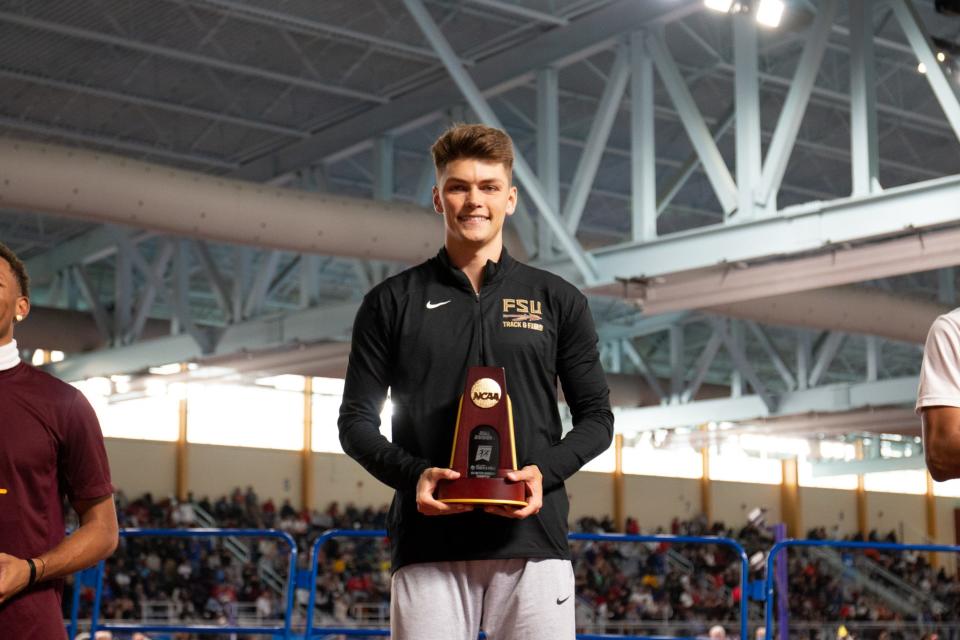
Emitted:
<point x="474" y="197"/>
<point x="12" y="302"/>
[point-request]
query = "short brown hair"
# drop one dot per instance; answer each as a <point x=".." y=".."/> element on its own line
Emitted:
<point x="19" y="270"/>
<point x="473" y="141"/>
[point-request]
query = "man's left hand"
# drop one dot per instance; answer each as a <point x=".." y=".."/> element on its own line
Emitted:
<point x="532" y="479"/>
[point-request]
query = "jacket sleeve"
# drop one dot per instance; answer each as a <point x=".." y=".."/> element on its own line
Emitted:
<point x="365" y="390"/>
<point x="585" y="389"/>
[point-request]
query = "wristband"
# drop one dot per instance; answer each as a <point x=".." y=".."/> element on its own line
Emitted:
<point x="33" y="572"/>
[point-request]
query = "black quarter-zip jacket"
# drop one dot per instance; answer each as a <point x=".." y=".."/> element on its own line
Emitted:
<point x="416" y="334"/>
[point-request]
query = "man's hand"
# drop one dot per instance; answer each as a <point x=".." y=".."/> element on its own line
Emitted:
<point x="531" y="477"/>
<point x="14" y="576"/>
<point x="427" y="484"/>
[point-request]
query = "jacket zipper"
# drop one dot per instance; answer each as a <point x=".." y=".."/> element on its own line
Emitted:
<point x="483" y="361"/>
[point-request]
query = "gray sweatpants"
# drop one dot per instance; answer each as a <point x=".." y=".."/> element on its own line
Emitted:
<point x="515" y="599"/>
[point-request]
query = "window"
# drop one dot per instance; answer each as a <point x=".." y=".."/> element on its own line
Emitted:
<point x="244" y="416"/>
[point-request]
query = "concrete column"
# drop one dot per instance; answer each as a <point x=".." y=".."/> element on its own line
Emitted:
<point x="790" y="497"/>
<point x="183" y="479"/>
<point x="930" y="504"/>
<point x="706" y="496"/>
<point x="306" y="455"/>
<point x="861" y="497"/>
<point x="619" y="517"/>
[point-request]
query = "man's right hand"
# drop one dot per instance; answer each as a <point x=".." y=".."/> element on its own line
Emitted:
<point x="427" y="484"/>
<point x="14" y="576"/>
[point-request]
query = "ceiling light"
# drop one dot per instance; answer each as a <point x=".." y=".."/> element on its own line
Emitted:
<point x="769" y="12"/>
<point x="718" y="5"/>
<point x="922" y="68"/>
<point x="941" y="56"/>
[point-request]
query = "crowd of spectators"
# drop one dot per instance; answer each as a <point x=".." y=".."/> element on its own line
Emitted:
<point x="621" y="587"/>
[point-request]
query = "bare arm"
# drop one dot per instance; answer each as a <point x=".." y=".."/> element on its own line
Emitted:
<point x="94" y="540"/>
<point x="941" y="441"/>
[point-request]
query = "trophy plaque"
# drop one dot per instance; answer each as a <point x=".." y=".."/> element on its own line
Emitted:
<point x="484" y="450"/>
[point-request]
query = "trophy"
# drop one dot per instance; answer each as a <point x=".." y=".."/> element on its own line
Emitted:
<point x="484" y="449"/>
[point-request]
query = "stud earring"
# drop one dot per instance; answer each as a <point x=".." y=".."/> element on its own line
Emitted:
<point x="19" y="318"/>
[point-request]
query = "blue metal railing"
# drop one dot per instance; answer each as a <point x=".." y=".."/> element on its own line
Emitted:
<point x="283" y="631"/>
<point x="672" y="539"/>
<point x="837" y="544"/>
<point x="307" y="579"/>
<point x="312" y="631"/>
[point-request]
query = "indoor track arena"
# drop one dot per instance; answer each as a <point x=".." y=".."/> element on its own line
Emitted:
<point x="458" y="319"/>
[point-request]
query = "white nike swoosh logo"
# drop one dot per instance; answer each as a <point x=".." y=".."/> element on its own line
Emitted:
<point x="431" y="305"/>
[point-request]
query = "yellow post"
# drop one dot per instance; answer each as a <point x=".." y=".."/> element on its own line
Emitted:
<point x="706" y="496"/>
<point x="618" y="511"/>
<point x="181" y="464"/>
<point x="861" y="496"/>
<point x="306" y="455"/>
<point x="790" y="496"/>
<point x="930" y="501"/>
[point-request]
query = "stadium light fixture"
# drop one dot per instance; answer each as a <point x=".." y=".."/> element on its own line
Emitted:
<point x="770" y="12"/>
<point x="722" y="6"/>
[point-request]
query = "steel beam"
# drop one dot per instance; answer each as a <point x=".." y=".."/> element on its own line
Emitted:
<point x="97" y="309"/>
<point x="586" y="270"/>
<point x="807" y="227"/>
<point x="310" y="27"/>
<point x="826" y="399"/>
<point x="643" y="159"/>
<point x="710" y="288"/>
<point x="97" y="244"/>
<point x="114" y="143"/>
<point x="864" y="148"/>
<point x="798" y="96"/>
<point x="144" y="101"/>
<point x="768" y="348"/>
<point x="521" y="11"/>
<point x="548" y="151"/>
<point x="383" y="168"/>
<point x="640" y="365"/>
<point x="702" y="367"/>
<point x="185" y="56"/>
<point x="735" y="348"/>
<point x="307" y="326"/>
<point x="713" y="163"/>
<point x="596" y="142"/>
<point x="691" y="166"/>
<point x="943" y="87"/>
<point x="825" y="355"/>
<point x="746" y="88"/>
<point x="215" y="279"/>
<point x="558" y="47"/>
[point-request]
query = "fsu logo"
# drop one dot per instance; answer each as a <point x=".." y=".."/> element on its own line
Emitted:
<point x="485" y="393"/>
<point x="522" y="314"/>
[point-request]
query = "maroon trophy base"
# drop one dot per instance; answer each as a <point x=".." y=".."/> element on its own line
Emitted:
<point x="484" y="450"/>
<point x="482" y="491"/>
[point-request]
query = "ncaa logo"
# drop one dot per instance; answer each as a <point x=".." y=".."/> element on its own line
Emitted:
<point x="485" y="393"/>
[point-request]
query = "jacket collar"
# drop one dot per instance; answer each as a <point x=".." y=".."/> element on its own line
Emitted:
<point x="493" y="272"/>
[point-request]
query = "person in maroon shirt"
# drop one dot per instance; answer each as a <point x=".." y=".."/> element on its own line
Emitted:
<point x="51" y="446"/>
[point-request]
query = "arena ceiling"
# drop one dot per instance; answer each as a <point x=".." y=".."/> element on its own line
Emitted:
<point x="345" y="97"/>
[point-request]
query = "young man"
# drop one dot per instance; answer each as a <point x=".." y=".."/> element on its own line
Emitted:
<point x="458" y="569"/>
<point x="938" y="399"/>
<point x="50" y="446"/>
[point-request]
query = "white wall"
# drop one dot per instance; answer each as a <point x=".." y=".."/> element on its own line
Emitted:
<point x="590" y="494"/>
<point x="828" y="508"/>
<point x="732" y="501"/>
<point x="141" y="466"/>
<point x="339" y="478"/>
<point x="656" y="501"/>
<point x="215" y="470"/>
